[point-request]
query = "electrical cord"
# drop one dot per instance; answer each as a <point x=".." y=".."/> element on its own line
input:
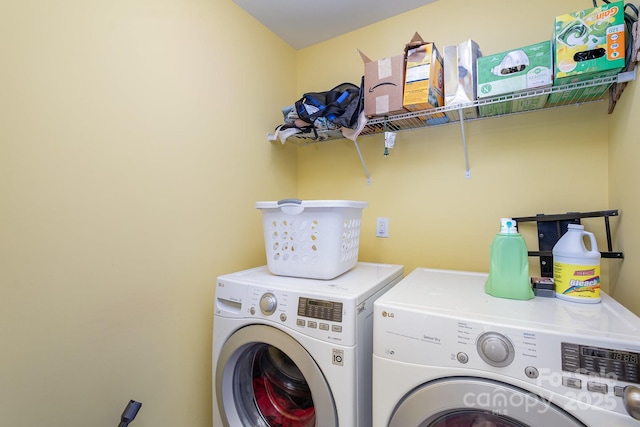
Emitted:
<point x="629" y="20"/>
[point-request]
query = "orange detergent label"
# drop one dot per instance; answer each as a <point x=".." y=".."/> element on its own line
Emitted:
<point x="581" y="281"/>
<point x="615" y="43"/>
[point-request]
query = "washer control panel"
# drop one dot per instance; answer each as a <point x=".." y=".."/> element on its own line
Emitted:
<point x="320" y="309"/>
<point x="331" y="320"/>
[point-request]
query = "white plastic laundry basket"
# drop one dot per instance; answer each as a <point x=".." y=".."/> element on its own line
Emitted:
<point x="316" y="239"/>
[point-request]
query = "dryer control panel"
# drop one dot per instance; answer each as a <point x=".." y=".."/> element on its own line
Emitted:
<point x="599" y="361"/>
<point x="581" y="355"/>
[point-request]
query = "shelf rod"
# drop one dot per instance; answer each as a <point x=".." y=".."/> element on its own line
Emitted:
<point x="464" y="145"/>
<point x="364" y="165"/>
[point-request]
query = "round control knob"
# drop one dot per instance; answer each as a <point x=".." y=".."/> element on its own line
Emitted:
<point x="495" y="349"/>
<point x="631" y="399"/>
<point x="268" y="304"/>
<point x="531" y="372"/>
<point x="462" y="357"/>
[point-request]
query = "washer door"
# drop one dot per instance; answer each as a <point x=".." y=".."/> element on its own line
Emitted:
<point x="265" y="378"/>
<point x="477" y="402"/>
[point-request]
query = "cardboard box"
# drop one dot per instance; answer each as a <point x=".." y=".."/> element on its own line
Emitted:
<point x="383" y="85"/>
<point x="424" y="78"/>
<point x="518" y="70"/>
<point x="460" y="77"/>
<point x="588" y="44"/>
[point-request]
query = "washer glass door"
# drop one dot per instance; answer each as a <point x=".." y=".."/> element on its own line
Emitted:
<point x="265" y="378"/>
<point x="477" y="402"/>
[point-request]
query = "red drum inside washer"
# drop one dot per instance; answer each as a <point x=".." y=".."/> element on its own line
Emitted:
<point x="281" y="392"/>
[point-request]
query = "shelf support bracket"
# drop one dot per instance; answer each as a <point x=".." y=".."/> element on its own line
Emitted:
<point x="467" y="173"/>
<point x="364" y="165"/>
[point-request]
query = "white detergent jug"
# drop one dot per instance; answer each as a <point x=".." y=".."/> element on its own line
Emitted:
<point x="576" y="270"/>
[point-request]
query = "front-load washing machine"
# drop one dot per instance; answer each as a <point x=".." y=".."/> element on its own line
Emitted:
<point x="295" y="352"/>
<point x="448" y="354"/>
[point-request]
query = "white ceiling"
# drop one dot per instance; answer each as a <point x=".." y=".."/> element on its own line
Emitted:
<point x="302" y="23"/>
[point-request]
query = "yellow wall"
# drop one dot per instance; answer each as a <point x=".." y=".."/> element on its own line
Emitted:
<point x="551" y="161"/>
<point x="132" y="152"/>
<point x="624" y="153"/>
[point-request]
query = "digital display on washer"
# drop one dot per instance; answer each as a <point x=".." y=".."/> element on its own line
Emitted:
<point x="320" y="309"/>
<point x="590" y="360"/>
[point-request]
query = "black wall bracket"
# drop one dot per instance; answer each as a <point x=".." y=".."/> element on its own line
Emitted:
<point x="552" y="227"/>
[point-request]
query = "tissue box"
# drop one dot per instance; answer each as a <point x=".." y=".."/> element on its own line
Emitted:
<point x="588" y="44"/>
<point x="529" y="67"/>
<point x="383" y="81"/>
<point x="460" y="77"/>
<point x="424" y="79"/>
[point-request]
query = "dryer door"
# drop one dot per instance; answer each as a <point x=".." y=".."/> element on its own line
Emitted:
<point x="477" y="402"/>
<point x="265" y="378"/>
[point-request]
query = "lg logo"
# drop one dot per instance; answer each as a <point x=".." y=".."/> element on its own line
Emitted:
<point x="338" y="357"/>
<point x="387" y="314"/>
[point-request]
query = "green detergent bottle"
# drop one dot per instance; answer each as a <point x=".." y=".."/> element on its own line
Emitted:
<point x="509" y="268"/>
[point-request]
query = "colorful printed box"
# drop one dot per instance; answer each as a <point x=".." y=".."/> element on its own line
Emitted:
<point x="588" y="44"/>
<point x="526" y="68"/>
<point x="424" y="79"/>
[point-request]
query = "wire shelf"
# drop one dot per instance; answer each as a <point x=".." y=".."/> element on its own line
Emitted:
<point x="556" y="96"/>
<point x="500" y="106"/>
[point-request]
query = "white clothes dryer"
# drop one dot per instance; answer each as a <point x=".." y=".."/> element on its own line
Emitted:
<point x="448" y="354"/>
<point x="295" y="352"/>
